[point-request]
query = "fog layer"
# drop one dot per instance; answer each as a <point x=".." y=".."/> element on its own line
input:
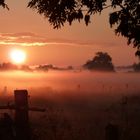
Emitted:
<point x="78" y="82"/>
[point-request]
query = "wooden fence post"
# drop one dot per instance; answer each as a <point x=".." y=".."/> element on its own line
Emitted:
<point x="21" y="114"/>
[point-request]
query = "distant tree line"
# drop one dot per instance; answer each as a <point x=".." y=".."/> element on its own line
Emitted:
<point x="9" y="66"/>
<point x="51" y="67"/>
<point x="102" y="61"/>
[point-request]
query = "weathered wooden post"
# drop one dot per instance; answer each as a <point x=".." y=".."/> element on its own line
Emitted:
<point x="21" y="107"/>
<point x="111" y="132"/>
<point x="21" y="114"/>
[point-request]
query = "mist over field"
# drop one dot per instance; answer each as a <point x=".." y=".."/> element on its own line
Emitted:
<point x="78" y="104"/>
<point x="71" y="86"/>
<point x="85" y="81"/>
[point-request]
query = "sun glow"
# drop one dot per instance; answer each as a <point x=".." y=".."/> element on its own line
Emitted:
<point x="17" y="56"/>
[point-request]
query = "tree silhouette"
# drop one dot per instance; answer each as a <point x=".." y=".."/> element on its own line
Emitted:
<point x="8" y="66"/>
<point x="101" y="62"/>
<point x="136" y="67"/>
<point x="3" y="4"/>
<point x="125" y="14"/>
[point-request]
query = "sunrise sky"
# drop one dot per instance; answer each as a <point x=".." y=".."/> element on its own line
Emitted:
<point x="23" y="28"/>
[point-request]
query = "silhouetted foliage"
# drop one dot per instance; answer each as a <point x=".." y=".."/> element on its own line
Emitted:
<point x="44" y="67"/>
<point x="25" y="68"/>
<point x="125" y="14"/>
<point x="51" y="67"/>
<point x="3" y="4"/>
<point x="136" y="67"/>
<point x="8" y="66"/>
<point x="101" y="62"/>
<point x="137" y="53"/>
<point x="70" y="68"/>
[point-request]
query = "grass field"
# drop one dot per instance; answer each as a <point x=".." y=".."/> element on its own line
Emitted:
<point x="78" y="105"/>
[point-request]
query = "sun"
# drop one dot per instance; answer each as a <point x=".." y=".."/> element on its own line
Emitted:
<point x="18" y="56"/>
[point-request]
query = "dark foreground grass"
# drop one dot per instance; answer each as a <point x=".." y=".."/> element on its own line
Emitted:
<point x="74" y="117"/>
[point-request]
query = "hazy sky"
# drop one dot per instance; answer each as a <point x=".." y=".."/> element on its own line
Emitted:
<point x="23" y="28"/>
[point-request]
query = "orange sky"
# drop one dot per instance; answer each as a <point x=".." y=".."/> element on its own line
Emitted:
<point x="22" y="27"/>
